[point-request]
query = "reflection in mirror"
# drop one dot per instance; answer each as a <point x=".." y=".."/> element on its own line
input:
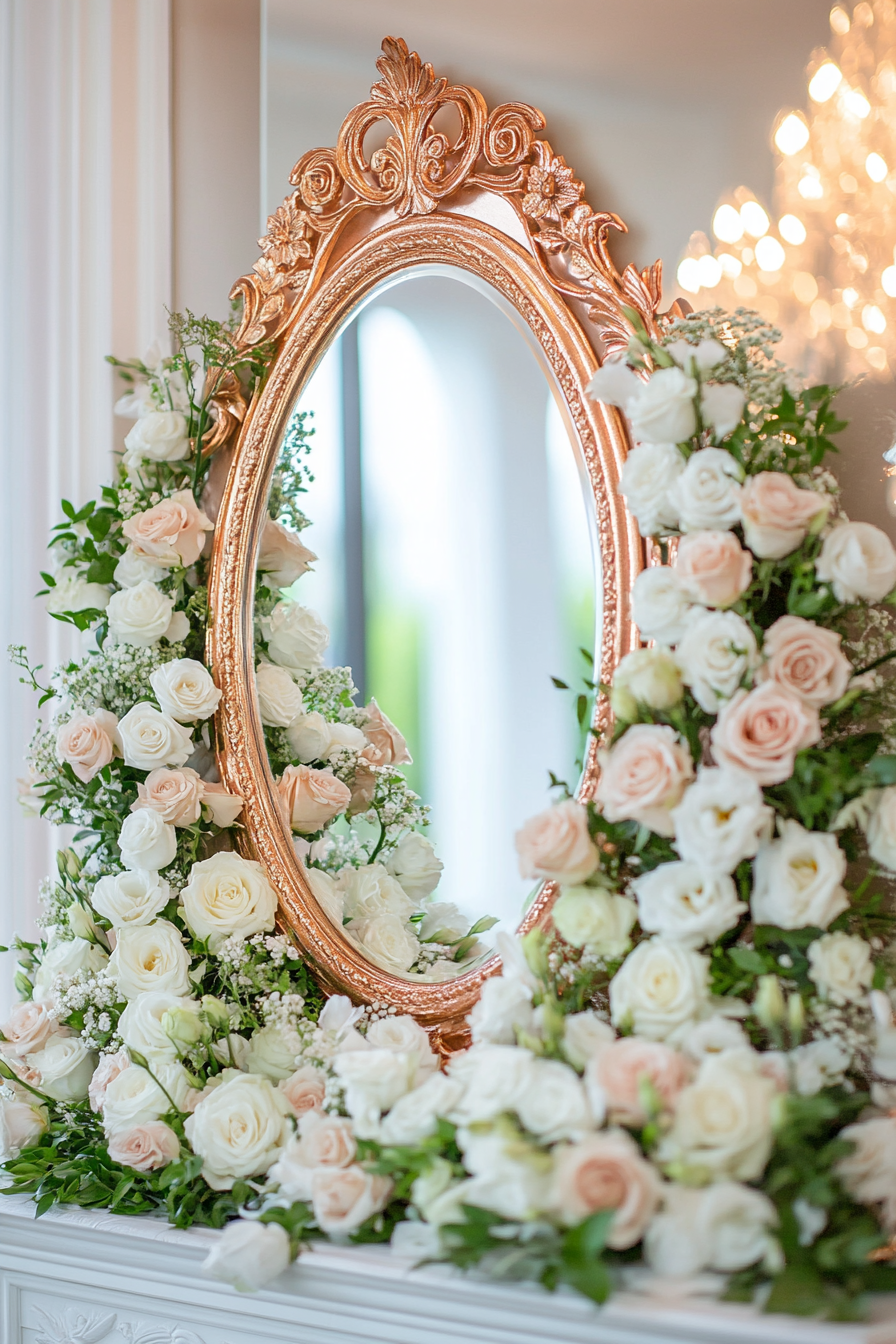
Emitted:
<point x="455" y="577"/>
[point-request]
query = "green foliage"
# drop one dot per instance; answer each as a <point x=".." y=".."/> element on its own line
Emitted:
<point x="824" y="779"/>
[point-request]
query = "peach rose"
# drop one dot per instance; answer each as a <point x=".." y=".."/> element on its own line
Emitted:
<point x="759" y="732"/>
<point x="225" y="807"/>
<point x="363" y="789"/>
<point x="713" y="568"/>
<point x="644" y="776"/>
<point x="345" y="1197"/>
<point x="281" y="555"/>
<point x="606" y="1171"/>
<point x="556" y="844"/>
<point x="108" y="1069"/>
<point x="806" y="659"/>
<point x="387" y="746"/>
<point x="172" y="532"/>
<point x="26" y="1029"/>
<point x="305" y="1089"/>
<point x="777" y="513"/>
<point x="88" y="742"/>
<point x="618" y="1071"/>
<point x="311" y="798"/>
<point x="145" y="1147"/>
<point x="175" y="794"/>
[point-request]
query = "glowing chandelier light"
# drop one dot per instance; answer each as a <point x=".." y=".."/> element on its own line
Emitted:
<point x="822" y="263"/>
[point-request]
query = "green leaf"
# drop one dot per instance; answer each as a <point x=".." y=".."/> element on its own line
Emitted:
<point x="749" y="960"/>
<point x="798" y="1291"/>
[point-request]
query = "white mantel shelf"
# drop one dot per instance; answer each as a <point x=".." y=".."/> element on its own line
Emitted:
<point x="75" y="1277"/>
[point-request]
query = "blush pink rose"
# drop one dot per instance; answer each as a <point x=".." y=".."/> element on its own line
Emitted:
<point x="305" y="1090"/>
<point x="175" y="794"/>
<point x="387" y="746"/>
<point x="282" y="555"/>
<point x="345" y="1197"/>
<point x="363" y="789"/>
<point x="759" y="732"/>
<point x="606" y="1171"/>
<point x="145" y="1147"/>
<point x="225" y="807"/>
<point x="88" y="742"/>
<point x="108" y="1069"/>
<point x="806" y="659"/>
<point x="644" y="776"/>
<point x="777" y="513"/>
<point x="556" y="845"/>
<point x="619" y="1069"/>
<point x="713" y="568"/>
<point x="172" y="532"/>
<point x="311" y="798"/>
<point x="26" y="1029"/>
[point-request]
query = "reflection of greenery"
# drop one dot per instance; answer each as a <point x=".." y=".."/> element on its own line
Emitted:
<point x="577" y="633"/>
<point x="291" y="473"/>
<point x="395" y="642"/>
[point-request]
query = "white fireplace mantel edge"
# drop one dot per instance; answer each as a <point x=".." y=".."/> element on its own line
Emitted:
<point x="79" y="1277"/>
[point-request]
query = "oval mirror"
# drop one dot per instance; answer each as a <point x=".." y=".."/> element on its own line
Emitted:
<point x="438" y="307"/>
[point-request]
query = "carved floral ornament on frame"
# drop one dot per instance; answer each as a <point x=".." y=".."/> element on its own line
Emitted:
<point x="350" y="223"/>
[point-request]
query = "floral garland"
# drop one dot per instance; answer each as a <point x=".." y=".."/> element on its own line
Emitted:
<point x="693" y="1071"/>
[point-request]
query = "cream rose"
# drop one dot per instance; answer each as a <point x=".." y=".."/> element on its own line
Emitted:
<point x="713" y="568"/>
<point x="271" y="1054"/>
<point x="859" y="562"/>
<point x="624" y="1079"/>
<point x="228" y="895"/>
<point x="662" y="410"/>
<point x="142" y="1024"/>
<point x="644" y="482"/>
<point x="494" y="1078"/>
<point x="171" y="532"/>
<point x="21" y="1125"/>
<point x="146" y="841"/>
<point x="279" y="698"/>
<point x="239" y="1128"/>
<point x="881" y="829"/>
<point x="687" y="903"/>
<point x="386" y="940"/>
<point x="150" y="957"/>
<point x="721" y="406"/>
<point x="249" y="1255"/>
<point x="416" y="866"/>
<point x="643" y="776"/>
<point x="614" y="383"/>
<point x="142" y="615"/>
<point x="373" y="1081"/>
<point x="185" y="690"/>
<point x="296" y="636"/>
<point x="176" y="795"/>
<point x="324" y="1141"/>
<point x="557" y="845"/>
<point x="403" y="1035"/>
<point x="146" y="1147"/>
<point x="761" y="731"/>
<point x="725" y="1227"/>
<point x="65" y="1066"/>
<point x="841" y="967"/>
<point x="72" y="592"/>
<point x="555" y="1105"/>
<point x="311" y="798"/>
<point x="777" y="514"/>
<point x="26" y="1029"/>
<point x="134" y="1097"/>
<point x="660" y="988"/>
<point x="130" y="899"/>
<point x="721" y="820"/>
<point x="504" y="1007"/>
<point x="133" y="569"/>
<point x="648" y="677"/>
<point x="281" y="555"/>
<point x="387" y="746"/>
<point x="413" y="1117"/>
<point x="305" y="1089"/>
<point x="717" y="652"/>
<point x="327" y="893"/>
<point x="797" y="879"/>
<point x="723" y="1125"/>
<point x="309" y="737"/>
<point x="150" y="738"/>
<point x="158" y="436"/>
<point x="595" y="919"/>
<point x="806" y="659"/>
<point x="584" y="1034"/>
<point x="660" y="606"/>
<point x="87" y="742"/>
<point x="869" y="1172"/>
<point x="66" y="958"/>
<point x="706" y="496"/>
<point x="606" y="1171"/>
<point x="371" y="891"/>
<point x="344" y="1199"/>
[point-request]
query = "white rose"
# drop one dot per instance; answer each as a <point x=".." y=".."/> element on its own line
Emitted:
<point x="386" y="941"/>
<point x="596" y="919"/>
<point x="705" y="355"/>
<point x="495" y="1078"/>
<point x="554" y="1106"/>
<point x="21" y="1125"/>
<point x="65" y="958"/>
<point x="158" y="436"/>
<point x="721" y="820"/>
<point x="150" y="957"/>
<point x="249" y="1255"/>
<point x="722" y="1126"/>
<point x="134" y="1097"/>
<point x="413" y="1117"/>
<point x="146" y="841"/>
<point x="859" y="562"/>
<point x="142" y="615"/>
<point x="798" y="879"/>
<point x="503" y="1008"/>
<point x="403" y="1035"/>
<point x="65" y="1066"/>
<point x="718" y="650"/>
<point x="687" y="904"/>
<point x="140" y="1025"/>
<point x="228" y="895"/>
<point x="660" y="988"/>
<point x="648" y="677"/>
<point x="372" y="891"/>
<point x="515" y="1189"/>
<point x="373" y="1081"/>
<point x="662" y="410"/>
<point x="660" y="605"/>
<point x="309" y="736"/>
<point x="133" y="569"/>
<point x="130" y="898"/>
<point x="279" y="698"/>
<point x="706" y="496"/>
<point x="413" y="861"/>
<point x="713" y="1035"/>
<point x="869" y="1172"/>
<point x="841" y="967"/>
<point x="296" y="636"/>
<point x="721" y="406"/>
<point x="238" y="1128"/>
<point x="185" y="690"/>
<point x="881" y="829"/>
<point x="150" y="739"/>
<point x="818" y="1064"/>
<point x="614" y="383"/>
<point x="270" y="1054"/>
<point x="327" y="893"/>
<point x="584" y="1034"/>
<point x="725" y="1226"/>
<point x="647" y="473"/>
<point x="444" y="922"/>
<point x="72" y="592"/>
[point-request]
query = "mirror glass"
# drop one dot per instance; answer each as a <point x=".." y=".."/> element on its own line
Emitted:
<point x="457" y="575"/>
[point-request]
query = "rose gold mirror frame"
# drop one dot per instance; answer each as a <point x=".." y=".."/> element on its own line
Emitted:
<point x="496" y="202"/>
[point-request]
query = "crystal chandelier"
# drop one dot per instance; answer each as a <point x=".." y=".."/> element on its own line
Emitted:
<point x="821" y="264"/>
